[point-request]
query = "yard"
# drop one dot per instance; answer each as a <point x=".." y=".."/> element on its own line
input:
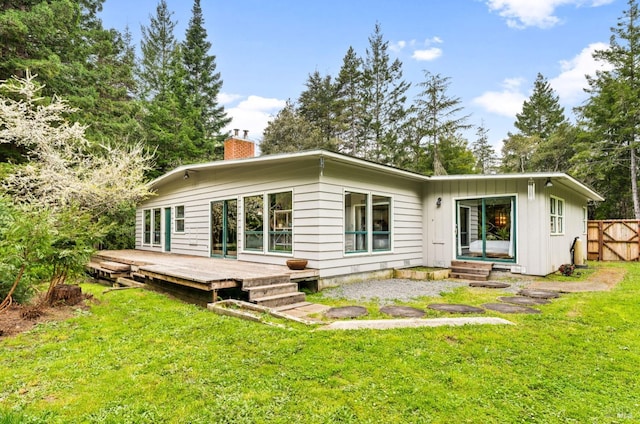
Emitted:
<point x="140" y="357"/>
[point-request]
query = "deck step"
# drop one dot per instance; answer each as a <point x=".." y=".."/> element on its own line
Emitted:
<point x="265" y="281"/>
<point x="257" y="292"/>
<point x="477" y="271"/>
<point x="115" y="266"/>
<point x="280" y="299"/>
<point x="474" y="277"/>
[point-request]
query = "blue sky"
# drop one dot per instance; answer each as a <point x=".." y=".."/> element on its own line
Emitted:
<point x="491" y="50"/>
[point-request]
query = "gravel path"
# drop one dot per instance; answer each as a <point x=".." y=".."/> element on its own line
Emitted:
<point x="388" y="291"/>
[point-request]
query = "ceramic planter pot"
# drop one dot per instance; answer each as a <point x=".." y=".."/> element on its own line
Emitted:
<point x="296" y="264"/>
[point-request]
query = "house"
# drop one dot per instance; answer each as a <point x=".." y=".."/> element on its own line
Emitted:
<point x="352" y="218"/>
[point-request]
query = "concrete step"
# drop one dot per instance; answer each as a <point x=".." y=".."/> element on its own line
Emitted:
<point x="270" y="290"/>
<point x="265" y="281"/>
<point x="292" y="306"/>
<point x="465" y="276"/>
<point x="280" y="299"/>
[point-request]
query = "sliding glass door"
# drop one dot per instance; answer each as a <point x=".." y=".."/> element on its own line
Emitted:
<point x="486" y="228"/>
<point x="224" y="228"/>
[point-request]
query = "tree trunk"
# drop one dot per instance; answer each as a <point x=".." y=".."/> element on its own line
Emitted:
<point x="634" y="183"/>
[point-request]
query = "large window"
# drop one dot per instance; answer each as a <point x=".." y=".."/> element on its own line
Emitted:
<point x="254" y="223"/>
<point x="179" y="219"/>
<point x="367" y="220"/>
<point x="557" y="215"/>
<point x="147" y="227"/>
<point x="485" y="228"/>
<point x="280" y="222"/>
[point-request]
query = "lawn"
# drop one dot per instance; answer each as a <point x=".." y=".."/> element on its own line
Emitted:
<point x="140" y="357"/>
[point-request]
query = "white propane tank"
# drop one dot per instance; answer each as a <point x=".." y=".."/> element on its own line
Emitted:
<point x="578" y="253"/>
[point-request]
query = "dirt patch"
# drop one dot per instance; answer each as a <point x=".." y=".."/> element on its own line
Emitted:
<point x="21" y="318"/>
<point x="604" y="279"/>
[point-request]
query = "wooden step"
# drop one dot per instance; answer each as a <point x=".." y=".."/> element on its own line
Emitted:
<point x="472" y="265"/>
<point x="115" y="266"/>
<point x="265" y="281"/>
<point x="470" y="270"/>
<point x="465" y="276"/>
<point x="280" y="299"/>
<point x="270" y="290"/>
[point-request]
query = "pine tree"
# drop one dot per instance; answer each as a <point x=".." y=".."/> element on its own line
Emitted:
<point x="203" y="85"/>
<point x="611" y="112"/>
<point x="436" y="117"/>
<point x="349" y="105"/>
<point x="383" y="100"/>
<point x="290" y="132"/>
<point x="541" y="114"/>
<point x="317" y="104"/>
<point x="483" y="152"/>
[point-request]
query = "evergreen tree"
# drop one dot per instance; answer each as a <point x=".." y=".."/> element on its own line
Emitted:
<point x="436" y="117"/>
<point x="349" y="108"/>
<point x="317" y="104"/>
<point x="290" y="132"/>
<point x="541" y="114"/>
<point x="203" y="85"/>
<point x="383" y="101"/>
<point x="611" y="113"/>
<point x="483" y="152"/>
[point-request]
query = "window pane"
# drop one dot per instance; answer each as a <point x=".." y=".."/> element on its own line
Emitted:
<point x="355" y="219"/>
<point x="156" y="226"/>
<point x="179" y="211"/>
<point x="253" y="223"/>
<point x="147" y="227"/>
<point x="381" y="223"/>
<point x="280" y="222"/>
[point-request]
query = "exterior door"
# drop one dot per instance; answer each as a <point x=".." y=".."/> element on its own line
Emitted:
<point x="224" y="228"/>
<point x="167" y="229"/>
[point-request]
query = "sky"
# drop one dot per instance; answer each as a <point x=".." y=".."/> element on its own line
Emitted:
<point x="491" y="50"/>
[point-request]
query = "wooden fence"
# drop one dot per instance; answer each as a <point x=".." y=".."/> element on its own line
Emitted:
<point x="613" y="240"/>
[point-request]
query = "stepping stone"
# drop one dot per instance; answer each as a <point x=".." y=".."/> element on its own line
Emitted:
<point x="523" y="300"/>
<point x="510" y="309"/>
<point x="346" y="312"/>
<point x="402" y="311"/>
<point x="539" y="294"/>
<point x="456" y="308"/>
<point x="489" y="284"/>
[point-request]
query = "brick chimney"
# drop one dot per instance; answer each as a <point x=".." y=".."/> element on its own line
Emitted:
<point x="237" y="148"/>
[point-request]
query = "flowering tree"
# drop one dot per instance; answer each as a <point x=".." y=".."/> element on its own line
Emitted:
<point x="75" y="181"/>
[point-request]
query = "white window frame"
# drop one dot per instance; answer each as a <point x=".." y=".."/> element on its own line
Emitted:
<point x="585" y="220"/>
<point x="177" y="219"/>
<point x="557" y="214"/>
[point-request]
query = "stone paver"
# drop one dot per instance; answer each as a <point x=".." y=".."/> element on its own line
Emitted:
<point x="489" y="284"/>
<point x="402" y="311"/>
<point x="346" y="312"/>
<point x="456" y="308"/>
<point x="523" y="300"/>
<point x="508" y="308"/>
<point x="386" y="324"/>
<point x="539" y="294"/>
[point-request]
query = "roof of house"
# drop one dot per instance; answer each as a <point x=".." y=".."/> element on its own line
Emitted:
<point x="323" y="155"/>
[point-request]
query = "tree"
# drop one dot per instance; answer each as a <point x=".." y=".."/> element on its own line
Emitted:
<point x="612" y="111"/>
<point x="317" y="104"/>
<point x="383" y="101"/>
<point x="541" y="114"/>
<point x="435" y="117"/>
<point x="203" y="85"/>
<point x="75" y="182"/>
<point x="349" y="119"/>
<point x="290" y="132"/>
<point x="483" y="152"/>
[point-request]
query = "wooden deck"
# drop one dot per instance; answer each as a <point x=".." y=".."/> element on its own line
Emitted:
<point x="199" y="272"/>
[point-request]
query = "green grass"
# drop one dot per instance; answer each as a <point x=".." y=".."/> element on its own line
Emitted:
<point x="140" y="357"/>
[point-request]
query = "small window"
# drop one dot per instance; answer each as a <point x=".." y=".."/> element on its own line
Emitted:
<point x="179" y="219"/>
<point x="157" y="223"/>
<point x="381" y="223"/>
<point x="147" y="227"/>
<point x="254" y="223"/>
<point x="556" y="215"/>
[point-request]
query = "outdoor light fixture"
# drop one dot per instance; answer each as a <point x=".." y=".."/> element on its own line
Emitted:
<point x="439" y="201"/>
<point x="186" y="175"/>
<point x="548" y="183"/>
<point x="531" y="189"/>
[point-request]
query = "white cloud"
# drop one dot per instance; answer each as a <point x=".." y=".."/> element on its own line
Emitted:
<point x="571" y="82"/>
<point x="226" y="98"/>
<point x="428" y="54"/>
<point x="536" y="13"/>
<point x="507" y="102"/>
<point x="398" y="46"/>
<point x="253" y="114"/>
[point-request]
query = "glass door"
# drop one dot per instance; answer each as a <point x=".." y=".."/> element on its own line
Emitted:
<point x="224" y="228"/>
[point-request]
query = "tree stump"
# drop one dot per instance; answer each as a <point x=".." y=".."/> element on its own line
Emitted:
<point x="69" y="294"/>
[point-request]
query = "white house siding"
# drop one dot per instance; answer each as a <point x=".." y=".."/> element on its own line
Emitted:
<point x="318" y="212"/>
<point x="537" y="252"/>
